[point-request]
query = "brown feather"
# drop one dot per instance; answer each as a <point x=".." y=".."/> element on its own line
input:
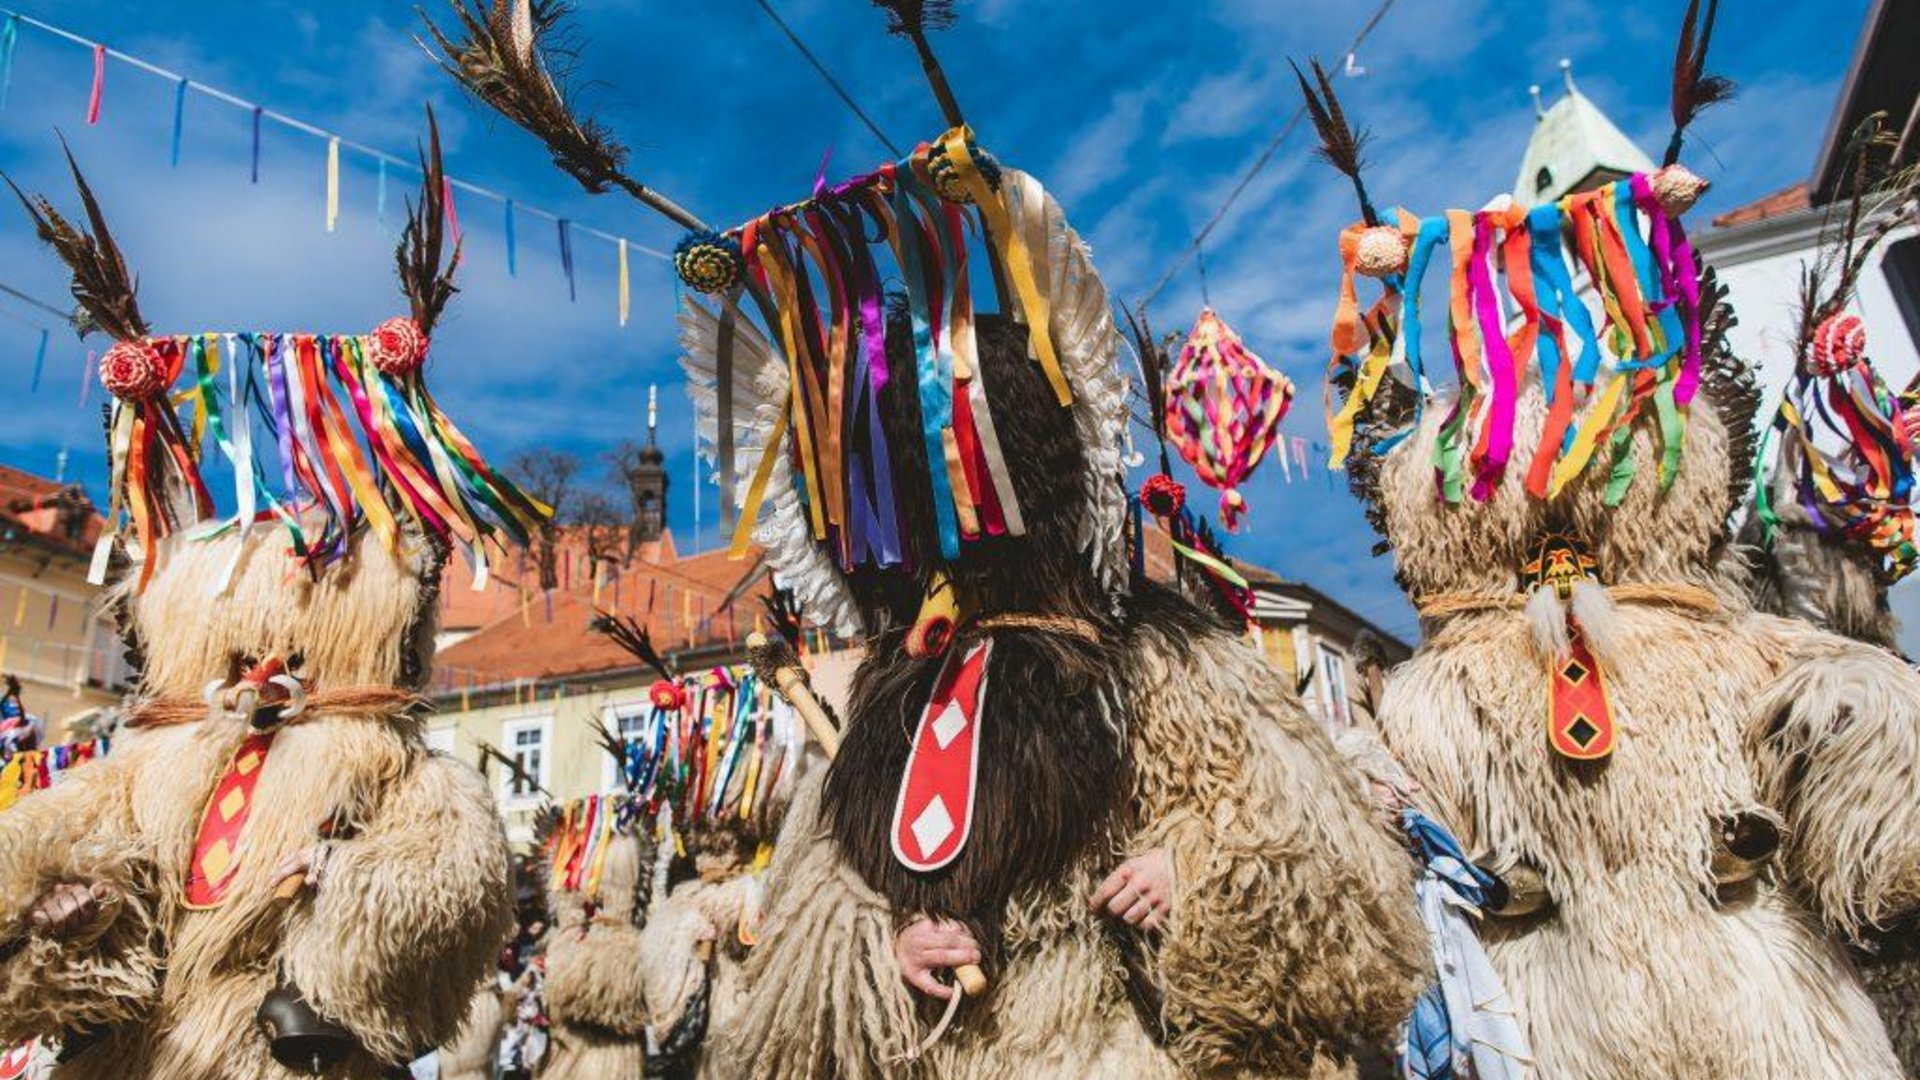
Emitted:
<point x="1693" y="88"/>
<point x="102" y="286"/>
<point x="628" y="633"/>
<point x="426" y="275"/>
<point x="912" y="18"/>
<point x="1340" y="146"/>
<point x="520" y="83"/>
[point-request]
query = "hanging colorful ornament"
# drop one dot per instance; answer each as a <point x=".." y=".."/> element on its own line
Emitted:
<point x="134" y="371"/>
<point x="398" y="347"/>
<point x="1839" y="343"/>
<point x="1224" y="407"/>
<point x="949" y="180"/>
<point x="709" y="262"/>
<point x="1163" y="496"/>
<point x="1380" y="252"/>
<point x="1580" y="720"/>
<point x="1847" y="441"/>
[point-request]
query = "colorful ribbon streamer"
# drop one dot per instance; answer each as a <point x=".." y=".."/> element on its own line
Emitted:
<point x="1616" y="243"/>
<point x="179" y="123"/>
<point x="99" y="90"/>
<point x="9" y="40"/>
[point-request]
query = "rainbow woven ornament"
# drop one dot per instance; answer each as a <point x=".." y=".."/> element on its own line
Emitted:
<point x="1224" y="407"/>
<point x="1641" y="357"/>
<point x="347" y="418"/>
<point x="1846" y="440"/>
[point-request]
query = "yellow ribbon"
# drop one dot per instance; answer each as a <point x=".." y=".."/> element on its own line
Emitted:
<point x="1014" y="255"/>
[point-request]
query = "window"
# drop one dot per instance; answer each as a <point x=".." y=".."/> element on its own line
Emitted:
<point x="526" y="742"/>
<point x="1332" y="677"/>
<point x="1542" y="180"/>
<point x="630" y="724"/>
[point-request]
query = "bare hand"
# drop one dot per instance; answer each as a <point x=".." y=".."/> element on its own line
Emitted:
<point x="308" y="863"/>
<point x="67" y="909"/>
<point x="1140" y="893"/>
<point x="926" y="946"/>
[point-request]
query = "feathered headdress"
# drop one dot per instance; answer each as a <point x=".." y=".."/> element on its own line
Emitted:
<point x="347" y="418"/>
<point x="1847" y="441"/>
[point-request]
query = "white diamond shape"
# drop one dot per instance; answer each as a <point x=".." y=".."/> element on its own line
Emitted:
<point x="932" y="827"/>
<point x="949" y="724"/>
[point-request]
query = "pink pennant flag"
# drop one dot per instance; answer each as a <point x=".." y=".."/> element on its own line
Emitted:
<point x="99" y="84"/>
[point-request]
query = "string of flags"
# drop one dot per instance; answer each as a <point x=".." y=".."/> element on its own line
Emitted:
<point x="98" y="107"/>
<point x="28" y="771"/>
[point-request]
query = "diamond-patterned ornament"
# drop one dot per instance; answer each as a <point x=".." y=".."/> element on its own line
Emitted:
<point x="217" y="845"/>
<point x="1579" y="713"/>
<point x="933" y="814"/>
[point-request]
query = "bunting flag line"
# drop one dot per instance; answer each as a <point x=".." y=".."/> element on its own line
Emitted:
<point x="27" y="771"/>
<point x="1621" y="244"/>
<point x="12" y="23"/>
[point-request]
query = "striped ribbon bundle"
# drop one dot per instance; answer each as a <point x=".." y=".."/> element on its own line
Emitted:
<point x="717" y="755"/>
<point x="1643" y="355"/>
<point x="28" y="771"/>
<point x="1224" y="407"/>
<point x="816" y="273"/>
<point x="1862" y="490"/>
<point x="357" y="439"/>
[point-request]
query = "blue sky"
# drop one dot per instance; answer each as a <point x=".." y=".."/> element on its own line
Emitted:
<point x="1140" y="115"/>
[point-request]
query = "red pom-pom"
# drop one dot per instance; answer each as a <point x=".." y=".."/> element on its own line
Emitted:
<point x="1839" y="344"/>
<point x="398" y="346"/>
<point x="668" y="695"/>
<point x="1162" y="495"/>
<point x="133" y="371"/>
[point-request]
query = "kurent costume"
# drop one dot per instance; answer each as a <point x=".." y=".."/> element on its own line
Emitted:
<point x="654" y="892"/>
<point x="1830" y="527"/>
<point x="948" y="485"/>
<point x="1690" y="803"/>
<point x="275" y="717"/>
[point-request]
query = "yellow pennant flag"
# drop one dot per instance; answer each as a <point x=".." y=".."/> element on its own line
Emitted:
<point x="624" y="307"/>
<point x="333" y="183"/>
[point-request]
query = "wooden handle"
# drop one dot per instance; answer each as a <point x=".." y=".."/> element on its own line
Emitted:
<point x="290" y="888"/>
<point x="972" y="980"/>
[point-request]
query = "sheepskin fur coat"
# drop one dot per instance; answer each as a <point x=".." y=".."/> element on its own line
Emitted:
<point x="415" y="901"/>
<point x="1118" y="718"/>
<point x="1667" y="938"/>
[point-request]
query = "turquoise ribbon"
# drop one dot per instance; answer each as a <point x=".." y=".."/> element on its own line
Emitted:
<point x="935" y="371"/>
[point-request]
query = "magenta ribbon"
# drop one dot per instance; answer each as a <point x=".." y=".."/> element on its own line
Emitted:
<point x="1501" y="376"/>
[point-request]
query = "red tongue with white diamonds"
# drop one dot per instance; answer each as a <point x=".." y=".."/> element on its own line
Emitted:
<point x="934" y="813"/>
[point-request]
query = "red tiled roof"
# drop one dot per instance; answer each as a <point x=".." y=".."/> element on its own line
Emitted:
<point x="534" y="635"/>
<point x="34" y="503"/>
<point x="1784" y="201"/>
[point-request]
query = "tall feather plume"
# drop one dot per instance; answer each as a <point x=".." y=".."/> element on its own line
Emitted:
<point x="505" y="56"/>
<point x="1693" y="88"/>
<point x="615" y="747"/>
<point x="102" y="287"/>
<point x="908" y="18"/>
<point x="1155" y="359"/>
<point x="1340" y="146"/>
<point x="783" y="611"/>
<point x="912" y="19"/>
<point x="1882" y="200"/>
<point x="627" y="632"/>
<point x="426" y="275"/>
